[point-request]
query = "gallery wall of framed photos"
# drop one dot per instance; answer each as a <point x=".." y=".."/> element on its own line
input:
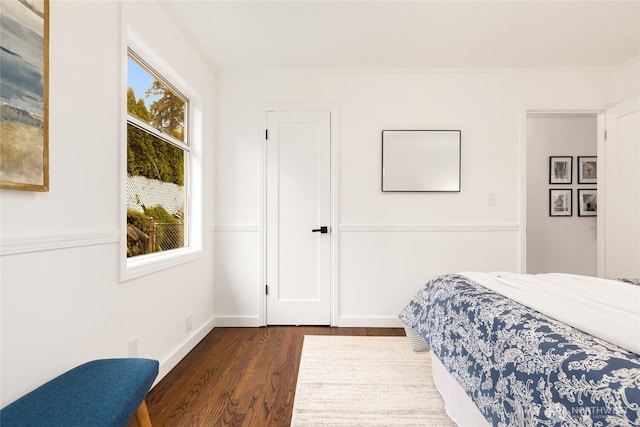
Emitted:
<point x="561" y="188"/>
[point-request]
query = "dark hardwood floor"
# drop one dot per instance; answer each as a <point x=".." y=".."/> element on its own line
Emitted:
<point x="238" y="377"/>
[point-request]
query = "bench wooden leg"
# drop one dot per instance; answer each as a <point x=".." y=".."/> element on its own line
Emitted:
<point x="142" y="415"/>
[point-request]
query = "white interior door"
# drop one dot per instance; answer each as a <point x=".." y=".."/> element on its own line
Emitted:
<point x="298" y="206"/>
<point x="620" y="188"/>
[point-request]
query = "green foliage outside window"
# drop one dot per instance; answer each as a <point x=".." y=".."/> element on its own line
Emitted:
<point x="155" y="225"/>
<point x="148" y="155"/>
<point x="167" y="111"/>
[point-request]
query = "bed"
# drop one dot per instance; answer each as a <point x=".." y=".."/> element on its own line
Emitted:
<point x="531" y="350"/>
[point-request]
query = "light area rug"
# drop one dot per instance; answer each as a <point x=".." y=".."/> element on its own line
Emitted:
<point x="365" y="381"/>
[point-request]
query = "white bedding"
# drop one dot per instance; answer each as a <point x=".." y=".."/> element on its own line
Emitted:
<point x="607" y="309"/>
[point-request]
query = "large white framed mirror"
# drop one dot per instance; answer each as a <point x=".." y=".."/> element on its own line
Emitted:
<point x="421" y="160"/>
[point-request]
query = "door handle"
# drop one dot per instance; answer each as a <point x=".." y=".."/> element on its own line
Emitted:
<point x="323" y="230"/>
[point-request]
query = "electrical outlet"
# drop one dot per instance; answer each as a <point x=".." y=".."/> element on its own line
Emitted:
<point x="491" y="199"/>
<point x="133" y="347"/>
<point x="189" y="322"/>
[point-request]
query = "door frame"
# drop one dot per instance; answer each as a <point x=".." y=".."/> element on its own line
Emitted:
<point x="599" y="110"/>
<point x="625" y="106"/>
<point x="333" y="110"/>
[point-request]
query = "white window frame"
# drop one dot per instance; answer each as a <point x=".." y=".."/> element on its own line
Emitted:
<point x="134" y="267"/>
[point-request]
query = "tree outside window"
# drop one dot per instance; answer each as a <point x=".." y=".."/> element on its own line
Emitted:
<point x="157" y="155"/>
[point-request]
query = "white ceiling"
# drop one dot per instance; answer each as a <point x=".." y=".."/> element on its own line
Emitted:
<point x="411" y="34"/>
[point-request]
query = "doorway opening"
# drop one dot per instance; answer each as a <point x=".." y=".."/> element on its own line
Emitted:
<point x="561" y="231"/>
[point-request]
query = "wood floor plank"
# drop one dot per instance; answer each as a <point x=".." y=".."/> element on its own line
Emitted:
<point x="238" y="377"/>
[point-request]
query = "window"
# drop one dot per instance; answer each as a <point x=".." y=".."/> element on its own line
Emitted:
<point x="158" y="154"/>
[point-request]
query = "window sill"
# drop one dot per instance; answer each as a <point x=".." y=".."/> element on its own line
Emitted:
<point x="143" y="265"/>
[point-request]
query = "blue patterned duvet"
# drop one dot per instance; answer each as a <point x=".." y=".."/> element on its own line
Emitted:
<point x="520" y="367"/>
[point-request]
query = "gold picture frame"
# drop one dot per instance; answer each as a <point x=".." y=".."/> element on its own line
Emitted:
<point x="24" y="98"/>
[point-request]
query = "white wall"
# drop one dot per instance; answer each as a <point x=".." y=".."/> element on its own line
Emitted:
<point x="559" y="244"/>
<point x="389" y="243"/>
<point x="625" y="81"/>
<point x="61" y="300"/>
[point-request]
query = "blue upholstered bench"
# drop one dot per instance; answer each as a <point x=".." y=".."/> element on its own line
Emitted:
<point x="105" y="392"/>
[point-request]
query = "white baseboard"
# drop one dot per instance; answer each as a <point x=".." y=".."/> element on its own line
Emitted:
<point x="179" y="353"/>
<point x="238" y="321"/>
<point x="343" y="322"/>
<point x="369" y="322"/>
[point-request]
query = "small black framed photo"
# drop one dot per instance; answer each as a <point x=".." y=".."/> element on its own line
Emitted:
<point x="587" y="170"/>
<point x="560" y="202"/>
<point x="588" y="202"/>
<point x="560" y="169"/>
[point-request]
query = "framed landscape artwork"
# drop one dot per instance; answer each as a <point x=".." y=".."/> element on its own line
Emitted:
<point x="24" y="146"/>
